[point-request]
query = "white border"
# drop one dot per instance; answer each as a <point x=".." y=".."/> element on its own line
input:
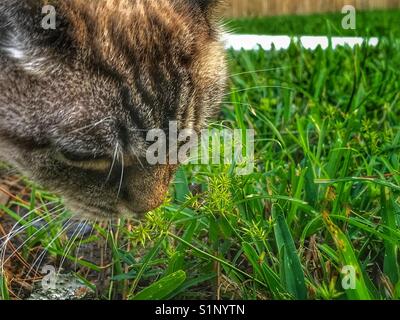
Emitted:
<point x="253" y="42"/>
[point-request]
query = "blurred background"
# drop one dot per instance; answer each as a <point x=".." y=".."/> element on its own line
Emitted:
<point x="251" y="8"/>
<point x="312" y="17"/>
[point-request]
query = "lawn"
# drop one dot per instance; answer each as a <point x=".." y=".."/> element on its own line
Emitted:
<point x="323" y="198"/>
<point x="375" y="23"/>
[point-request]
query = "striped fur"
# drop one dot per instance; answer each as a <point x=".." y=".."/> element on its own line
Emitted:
<point x="92" y="88"/>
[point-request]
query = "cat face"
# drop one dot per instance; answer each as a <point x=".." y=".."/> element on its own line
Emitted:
<point x="77" y="101"/>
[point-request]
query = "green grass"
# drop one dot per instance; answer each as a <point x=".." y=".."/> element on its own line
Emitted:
<point x="375" y="23"/>
<point x="324" y="194"/>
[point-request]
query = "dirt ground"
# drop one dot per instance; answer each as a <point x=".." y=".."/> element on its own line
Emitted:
<point x="18" y="260"/>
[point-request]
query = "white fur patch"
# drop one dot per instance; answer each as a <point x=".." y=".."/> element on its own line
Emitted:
<point x="15" y="53"/>
<point x="34" y="65"/>
<point x="29" y="60"/>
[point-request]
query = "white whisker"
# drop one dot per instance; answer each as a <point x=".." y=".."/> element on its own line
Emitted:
<point x="80" y="242"/>
<point x="259" y="87"/>
<point x="91" y="126"/>
<point x="259" y="71"/>
<point x="122" y="174"/>
<point x="4" y="261"/>
<point x="11" y="232"/>
<point x="70" y="243"/>
<point x="42" y="255"/>
<point x="113" y="162"/>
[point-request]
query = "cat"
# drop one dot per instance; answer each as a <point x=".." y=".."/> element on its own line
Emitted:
<point x="77" y="99"/>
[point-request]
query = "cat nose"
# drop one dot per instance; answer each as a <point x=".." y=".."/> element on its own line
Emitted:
<point x="145" y="189"/>
<point x="141" y="204"/>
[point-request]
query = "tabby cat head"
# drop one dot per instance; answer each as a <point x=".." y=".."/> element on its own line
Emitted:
<point x="77" y="100"/>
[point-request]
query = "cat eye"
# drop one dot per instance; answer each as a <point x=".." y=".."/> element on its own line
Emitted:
<point x="91" y="162"/>
<point x="84" y="161"/>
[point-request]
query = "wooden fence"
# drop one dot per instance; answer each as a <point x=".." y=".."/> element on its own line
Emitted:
<point x="243" y="8"/>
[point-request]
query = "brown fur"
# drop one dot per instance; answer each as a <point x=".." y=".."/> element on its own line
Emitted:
<point x="109" y="72"/>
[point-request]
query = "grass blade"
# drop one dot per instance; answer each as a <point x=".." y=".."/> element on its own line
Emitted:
<point x="292" y="274"/>
<point x="348" y="258"/>
<point x="163" y="287"/>
<point x="390" y="265"/>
